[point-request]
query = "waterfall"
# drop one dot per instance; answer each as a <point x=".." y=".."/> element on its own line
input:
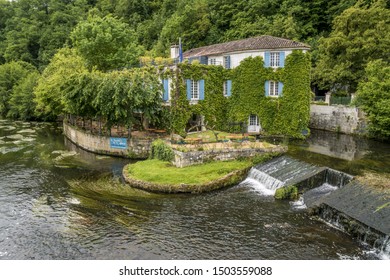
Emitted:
<point x="262" y="182"/>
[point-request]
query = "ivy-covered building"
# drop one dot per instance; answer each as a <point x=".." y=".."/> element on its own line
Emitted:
<point x="263" y="82"/>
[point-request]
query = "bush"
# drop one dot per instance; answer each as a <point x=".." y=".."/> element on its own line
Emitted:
<point x="160" y="150"/>
<point x="290" y="192"/>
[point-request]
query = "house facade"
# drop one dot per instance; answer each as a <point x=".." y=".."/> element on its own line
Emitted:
<point x="271" y="52"/>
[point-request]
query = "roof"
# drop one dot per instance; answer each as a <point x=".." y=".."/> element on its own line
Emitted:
<point x="264" y="42"/>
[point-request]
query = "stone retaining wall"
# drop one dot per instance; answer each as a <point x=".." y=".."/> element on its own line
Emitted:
<point x="233" y="178"/>
<point x="344" y="119"/>
<point x="136" y="148"/>
<point x="183" y="159"/>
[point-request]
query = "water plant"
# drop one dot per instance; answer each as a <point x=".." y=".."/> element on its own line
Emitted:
<point x="289" y="192"/>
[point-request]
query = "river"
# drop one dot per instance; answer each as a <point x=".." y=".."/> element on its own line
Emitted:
<point x="59" y="202"/>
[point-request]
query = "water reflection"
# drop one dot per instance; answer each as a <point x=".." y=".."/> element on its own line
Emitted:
<point x="347" y="153"/>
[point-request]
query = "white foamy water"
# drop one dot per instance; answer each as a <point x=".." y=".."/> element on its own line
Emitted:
<point x="258" y="187"/>
<point x="299" y="204"/>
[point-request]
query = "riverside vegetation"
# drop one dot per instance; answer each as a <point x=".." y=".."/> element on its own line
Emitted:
<point x="162" y="175"/>
<point x="45" y="46"/>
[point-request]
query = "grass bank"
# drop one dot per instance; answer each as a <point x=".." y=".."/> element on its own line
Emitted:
<point x="160" y="176"/>
<point x="162" y="172"/>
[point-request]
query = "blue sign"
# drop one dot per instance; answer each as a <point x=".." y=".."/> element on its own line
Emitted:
<point x="118" y="143"/>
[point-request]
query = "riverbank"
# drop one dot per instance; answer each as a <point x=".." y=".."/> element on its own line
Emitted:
<point x="161" y="176"/>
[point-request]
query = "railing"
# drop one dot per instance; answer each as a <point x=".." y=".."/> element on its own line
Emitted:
<point x="319" y="98"/>
<point x="342" y="100"/>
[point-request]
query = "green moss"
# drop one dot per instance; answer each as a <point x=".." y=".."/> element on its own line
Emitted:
<point x="290" y="192"/>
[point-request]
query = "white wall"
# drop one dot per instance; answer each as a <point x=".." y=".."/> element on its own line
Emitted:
<point x="236" y="58"/>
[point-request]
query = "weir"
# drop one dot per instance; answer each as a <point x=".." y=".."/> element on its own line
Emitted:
<point x="286" y="171"/>
<point x="361" y="211"/>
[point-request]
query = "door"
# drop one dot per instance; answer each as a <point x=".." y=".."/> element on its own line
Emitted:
<point x="254" y="124"/>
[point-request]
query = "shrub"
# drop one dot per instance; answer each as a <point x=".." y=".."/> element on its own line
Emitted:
<point x="160" y="150"/>
<point x="290" y="192"/>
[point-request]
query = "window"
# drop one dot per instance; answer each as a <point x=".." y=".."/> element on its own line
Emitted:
<point x="275" y="59"/>
<point x="273" y="88"/>
<point x="194" y="90"/>
<point x="253" y="120"/>
<point x="213" y="61"/>
<point x="226" y="62"/>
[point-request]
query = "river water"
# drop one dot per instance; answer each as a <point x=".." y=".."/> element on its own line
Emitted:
<point x="59" y="202"/>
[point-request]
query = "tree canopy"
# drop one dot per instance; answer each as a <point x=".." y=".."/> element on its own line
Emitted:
<point x="374" y="97"/>
<point x="361" y="34"/>
<point x="106" y="43"/>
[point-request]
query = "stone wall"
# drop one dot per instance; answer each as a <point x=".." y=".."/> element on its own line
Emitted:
<point x="344" y="119"/>
<point x="136" y="148"/>
<point x="183" y="159"/>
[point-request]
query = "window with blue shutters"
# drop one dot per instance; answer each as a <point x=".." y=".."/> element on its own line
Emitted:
<point x="273" y="88"/>
<point x="195" y="89"/>
<point x="274" y="59"/>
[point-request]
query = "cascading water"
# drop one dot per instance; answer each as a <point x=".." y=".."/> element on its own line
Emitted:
<point x="281" y="171"/>
<point x="262" y="182"/>
<point x="313" y="196"/>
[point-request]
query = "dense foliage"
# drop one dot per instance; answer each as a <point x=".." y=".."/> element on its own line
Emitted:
<point x="82" y="40"/>
<point x="106" y="43"/>
<point x="286" y="115"/>
<point x="360" y="34"/>
<point x="374" y="97"/>
<point x="161" y="151"/>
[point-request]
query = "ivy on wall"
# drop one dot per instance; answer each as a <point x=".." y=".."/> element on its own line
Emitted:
<point x="285" y="115"/>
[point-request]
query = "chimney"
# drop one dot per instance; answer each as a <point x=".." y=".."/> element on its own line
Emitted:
<point x="174" y="51"/>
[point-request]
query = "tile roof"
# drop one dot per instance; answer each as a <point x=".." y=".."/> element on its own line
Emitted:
<point x="264" y="42"/>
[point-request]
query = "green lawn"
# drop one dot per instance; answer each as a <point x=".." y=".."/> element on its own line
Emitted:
<point x="165" y="173"/>
<point x="208" y="136"/>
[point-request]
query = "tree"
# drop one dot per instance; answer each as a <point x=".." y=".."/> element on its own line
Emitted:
<point x="191" y="22"/>
<point x="121" y="95"/>
<point x="11" y="74"/>
<point x="106" y="43"/>
<point x="21" y="103"/>
<point x="360" y="34"/>
<point x="38" y="28"/>
<point x="373" y="96"/>
<point x="50" y="89"/>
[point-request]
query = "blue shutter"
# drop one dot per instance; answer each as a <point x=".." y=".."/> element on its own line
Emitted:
<point x="228" y="87"/>
<point x="201" y="89"/>
<point x="188" y="81"/>
<point x="165" y="93"/>
<point x="282" y="57"/>
<point x="228" y="62"/>
<point x="280" y="88"/>
<point x="266" y="87"/>
<point x="267" y="58"/>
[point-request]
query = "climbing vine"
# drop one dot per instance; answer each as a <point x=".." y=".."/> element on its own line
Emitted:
<point x="285" y="115"/>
